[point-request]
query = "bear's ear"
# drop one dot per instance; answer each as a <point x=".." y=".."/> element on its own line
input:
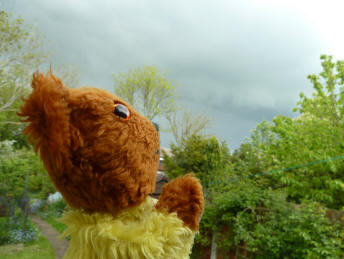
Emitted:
<point x="47" y="112"/>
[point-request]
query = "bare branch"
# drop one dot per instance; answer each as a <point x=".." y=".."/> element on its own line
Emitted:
<point x="188" y="125"/>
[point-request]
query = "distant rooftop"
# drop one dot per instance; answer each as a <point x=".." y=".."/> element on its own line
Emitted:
<point x="166" y="150"/>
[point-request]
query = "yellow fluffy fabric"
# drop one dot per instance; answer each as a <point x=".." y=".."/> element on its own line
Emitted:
<point x="136" y="233"/>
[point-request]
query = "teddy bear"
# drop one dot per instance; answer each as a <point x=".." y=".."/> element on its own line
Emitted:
<point x="102" y="156"/>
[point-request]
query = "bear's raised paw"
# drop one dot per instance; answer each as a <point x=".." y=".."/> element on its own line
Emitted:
<point x="185" y="197"/>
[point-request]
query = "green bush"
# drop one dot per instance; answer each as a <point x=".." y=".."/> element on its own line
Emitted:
<point x="268" y="225"/>
<point x="294" y="232"/>
<point x="4" y="230"/>
<point x="53" y="210"/>
<point x="12" y="229"/>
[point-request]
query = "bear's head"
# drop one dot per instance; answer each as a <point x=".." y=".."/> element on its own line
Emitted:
<point x="100" y="153"/>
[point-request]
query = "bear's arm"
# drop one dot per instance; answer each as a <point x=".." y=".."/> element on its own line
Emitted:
<point x="184" y="196"/>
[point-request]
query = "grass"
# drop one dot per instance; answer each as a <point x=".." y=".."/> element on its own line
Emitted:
<point x="52" y="212"/>
<point x="55" y="224"/>
<point x="39" y="249"/>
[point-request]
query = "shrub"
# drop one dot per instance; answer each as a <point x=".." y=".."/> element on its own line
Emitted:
<point x="12" y="230"/>
<point x="4" y="230"/>
<point x="293" y="232"/>
<point x="53" y="210"/>
<point x="267" y="225"/>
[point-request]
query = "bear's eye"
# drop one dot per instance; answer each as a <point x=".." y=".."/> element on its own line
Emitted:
<point x="121" y="111"/>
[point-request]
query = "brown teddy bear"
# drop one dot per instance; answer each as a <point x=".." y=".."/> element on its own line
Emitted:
<point x="103" y="156"/>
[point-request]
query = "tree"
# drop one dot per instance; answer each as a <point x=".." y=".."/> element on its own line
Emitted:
<point x="188" y="125"/>
<point x="20" y="55"/>
<point x="253" y="156"/>
<point x="300" y="154"/>
<point x="327" y="102"/>
<point x="15" y="165"/>
<point x="148" y="90"/>
<point x="207" y="158"/>
<point x="22" y="52"/>
<point x="316" y="134"/>
<point x="281" y="212"/>
<point x="260" y="222"/>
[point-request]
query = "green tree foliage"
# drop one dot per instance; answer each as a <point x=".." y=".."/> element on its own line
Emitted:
<point x="148" y="90"/>
<point x="316" y="134"/>
<point x="268" y="225"/>
<point x="205" y="157"/>
<point x="15" y="166"/>
<point x="280" y="212"/>
<point x="21" y="53"/>
<point x="11" y="230"/>
<point x="253" y="156"/>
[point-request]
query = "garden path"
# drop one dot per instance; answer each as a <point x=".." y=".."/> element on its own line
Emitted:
<point x="60" y="245"/>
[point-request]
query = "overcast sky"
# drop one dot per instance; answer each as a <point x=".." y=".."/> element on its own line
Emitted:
<point x="236" y="61"/>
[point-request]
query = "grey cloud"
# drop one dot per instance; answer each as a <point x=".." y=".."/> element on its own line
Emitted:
<point x="237" y="62"/>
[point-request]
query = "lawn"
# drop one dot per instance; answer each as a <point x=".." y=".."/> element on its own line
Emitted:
<point x="56" y="224"/>
<point x="39" y="249"/>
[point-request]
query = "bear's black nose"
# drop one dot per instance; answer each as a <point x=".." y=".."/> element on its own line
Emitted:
<point x="156" y="125"/>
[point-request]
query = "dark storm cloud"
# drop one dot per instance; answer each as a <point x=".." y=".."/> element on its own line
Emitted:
<point x="237" y="62"/>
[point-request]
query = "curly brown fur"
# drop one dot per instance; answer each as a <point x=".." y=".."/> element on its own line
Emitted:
<point x="98" y="161"/>
<point x="185" y="197"/>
